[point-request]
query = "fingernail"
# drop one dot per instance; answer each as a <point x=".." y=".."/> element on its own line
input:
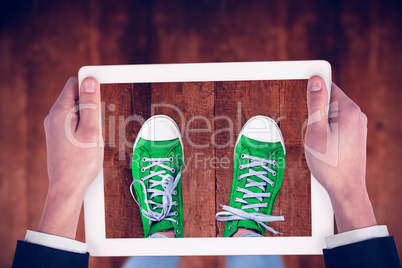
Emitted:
<point x="315" y="85"/>
<point x="89" y="86"/>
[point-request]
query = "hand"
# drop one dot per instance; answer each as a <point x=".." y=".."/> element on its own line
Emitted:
<point x="74" y="155"/>
<point x="336" y="153"/>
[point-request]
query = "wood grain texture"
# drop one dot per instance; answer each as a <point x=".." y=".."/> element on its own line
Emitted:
<point x="191" y="106"/>
<point x="122" y="121"/>
<point x="370" y="73"/>
<point x="295" y="202"/>
<point x="44" y="42"/>
<point x="13" y="156"/>
<point x="239" y="101"/>
<point x="210" y="116"/>
<point x="202" y="261"/>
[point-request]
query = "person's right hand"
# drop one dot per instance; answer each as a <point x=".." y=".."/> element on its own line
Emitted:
<point x="335" y="149"/>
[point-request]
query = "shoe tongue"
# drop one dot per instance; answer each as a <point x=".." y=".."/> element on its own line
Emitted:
<point x="254" y="189"/>
<point x="163" y="225"/>
<point x="265" y="151"/>
<point x="161" y="149"/>
<point x="159" y="199"/>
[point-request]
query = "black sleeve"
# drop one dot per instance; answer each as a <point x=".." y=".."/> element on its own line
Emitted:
<point x="33" y="255"/>
<point x="377" y="252"/>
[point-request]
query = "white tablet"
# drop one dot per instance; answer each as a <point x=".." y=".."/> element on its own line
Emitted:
<point x="209" y="103"/>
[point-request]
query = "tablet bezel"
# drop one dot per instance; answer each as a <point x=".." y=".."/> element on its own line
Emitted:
<point x="94" y="206"/>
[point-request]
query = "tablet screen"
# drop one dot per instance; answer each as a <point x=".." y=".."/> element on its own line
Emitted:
<point x="210" y="116"/>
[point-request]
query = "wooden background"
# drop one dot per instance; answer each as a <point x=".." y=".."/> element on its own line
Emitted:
<point x="44" y="42"/>
<point x="208" y="172"/>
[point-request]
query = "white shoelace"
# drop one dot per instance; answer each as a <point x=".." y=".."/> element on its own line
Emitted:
<point x="232" y="214"/>
<point x="167" y="182"/>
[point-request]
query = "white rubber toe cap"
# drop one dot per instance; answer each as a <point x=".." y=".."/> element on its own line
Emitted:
<point x="262" y="128"/>
<point x="159" y="128"/>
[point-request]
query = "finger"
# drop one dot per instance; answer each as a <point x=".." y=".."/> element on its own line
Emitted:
<point x="74" y="122"/>
<point x="364" y="119"/>
<point x="69" y="96"/>
<point x="338" y="95"/>
<point x="365" y="123"/>
<point x="342" y="108"/>
<point x="317" y="100"/>
<point x="88" y="125"/>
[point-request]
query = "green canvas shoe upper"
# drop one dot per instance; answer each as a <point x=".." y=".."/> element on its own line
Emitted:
<point x="156" y="169"/>
<point x="258" y="171"/>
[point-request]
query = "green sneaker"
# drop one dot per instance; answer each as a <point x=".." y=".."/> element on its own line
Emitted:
<point x="259" y="164"/>
<point x="156" y="167"/>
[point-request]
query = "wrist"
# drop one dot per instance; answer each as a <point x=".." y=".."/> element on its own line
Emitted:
<point x="67" y="186"/>
<point x="61" y="212"/>
<point x="352" y="210"/>
<point x="65" y="193"/>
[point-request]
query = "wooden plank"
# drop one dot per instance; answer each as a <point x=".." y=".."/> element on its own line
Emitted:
<point x="239" y="101"/>
<point x="234" y="31"/>
<point x="202" y="261"/>
<point x="191" y="106"/>
<point x="235" y="103"/>
<point x="106" y="262"/>
<point x="13" y="155"/>
<point x="295" y="202"/>
<point x="125" y="106"/>
<point x="305" y="37"/>
<point x="369" y="72"/>
<point x="192" y="109"/>
<point x="362" y="40"/>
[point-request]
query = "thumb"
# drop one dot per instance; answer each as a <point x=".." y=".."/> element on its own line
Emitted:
<point x="317" y="100"/>
<point x="88" y="126"/>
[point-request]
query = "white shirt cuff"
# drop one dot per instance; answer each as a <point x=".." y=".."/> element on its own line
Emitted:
<point x="355" y="236"/>
<point x="54" y="241"/>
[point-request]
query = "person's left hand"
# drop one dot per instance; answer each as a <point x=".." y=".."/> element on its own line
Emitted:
<point x="74" y="155"/>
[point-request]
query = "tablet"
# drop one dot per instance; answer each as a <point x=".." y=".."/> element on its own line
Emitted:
<point x="209" y="104"/>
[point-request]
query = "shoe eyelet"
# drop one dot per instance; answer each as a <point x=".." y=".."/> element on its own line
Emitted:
<point x="241" y="167"/>
<point x="171" y="159"/>
<point x="176" y="213"/>
<point x="144" y="159"/>
<point x="230" y="227"/>
<point x="178" y="232"/>
<point x="237" y="188"/>
<point x="174" y="192"/>
<point x="242" y="156"/>
<point x="142" y="169"/>
<point x="274" y="163"/>
<point x="274" y="174"/>
<point x="173" y="170"/>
